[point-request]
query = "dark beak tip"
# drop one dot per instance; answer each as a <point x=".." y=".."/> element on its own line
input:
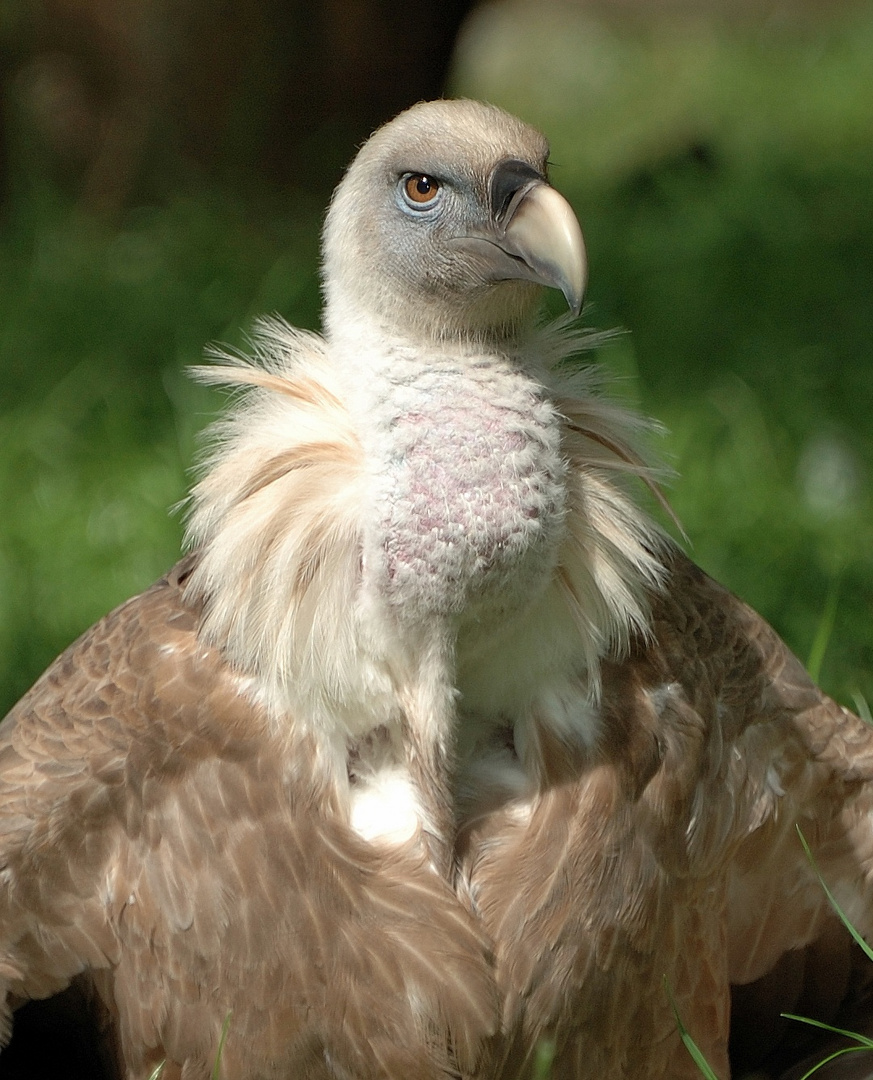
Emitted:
<point x="574" y="293"/>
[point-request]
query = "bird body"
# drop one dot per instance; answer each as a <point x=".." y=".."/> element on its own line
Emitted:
<point x="435" y="750"/>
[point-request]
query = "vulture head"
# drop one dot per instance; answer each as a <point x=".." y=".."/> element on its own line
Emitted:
<point x="445" y="225"/>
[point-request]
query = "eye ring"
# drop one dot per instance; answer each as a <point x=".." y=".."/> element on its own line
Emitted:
<point x="420" y="191"/>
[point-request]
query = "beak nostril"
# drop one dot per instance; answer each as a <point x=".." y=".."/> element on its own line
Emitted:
<point x="507" y="182"/>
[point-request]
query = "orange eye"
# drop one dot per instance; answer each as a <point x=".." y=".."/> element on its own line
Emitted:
<point x="421" y="189"/>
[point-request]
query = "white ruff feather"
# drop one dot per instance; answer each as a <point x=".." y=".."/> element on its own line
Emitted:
<point x="277" y="520"/>
<point x="285" y="525"/>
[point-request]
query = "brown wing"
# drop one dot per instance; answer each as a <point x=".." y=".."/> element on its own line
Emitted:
<point x="780" y="755"/>
<point x="671" y="856"/>
<point x="156" y="830"/>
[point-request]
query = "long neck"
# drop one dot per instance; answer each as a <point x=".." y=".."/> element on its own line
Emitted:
<point x="498" y="316"/>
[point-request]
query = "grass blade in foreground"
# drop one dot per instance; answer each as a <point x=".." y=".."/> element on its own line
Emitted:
<point x="824" y="631"/>
<point x="225" y="1027"/>
<point x="863" y="1043"/>
<point x="862" y="708"/>
<point x="690" y="1045"/>
<point x="867" y="950"/>
<point x="545" y="1055"/>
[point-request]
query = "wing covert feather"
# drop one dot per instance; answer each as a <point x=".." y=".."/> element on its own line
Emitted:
<point x="157" y="828"/>
<point x="673" y="851"/>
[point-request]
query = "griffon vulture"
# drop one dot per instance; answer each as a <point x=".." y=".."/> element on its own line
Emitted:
<point x="435" y="750"/>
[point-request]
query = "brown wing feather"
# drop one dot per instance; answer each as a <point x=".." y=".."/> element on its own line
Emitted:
<point x="584" y="948"/>
<point x="157" y="829"/>
<point x="780" y="755"/>
<point x="671" y="853"/>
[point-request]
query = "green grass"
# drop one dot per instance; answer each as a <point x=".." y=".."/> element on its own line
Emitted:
<point x="723" y="177"/>
<point x="690" y="1045"/>
<point x="215" y="1072"/>
<point x="861" y="1043"/>
<point x="98" y="420"/>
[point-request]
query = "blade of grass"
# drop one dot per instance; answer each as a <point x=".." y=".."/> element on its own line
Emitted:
<point x="690" y="1045"/>
<point x="832" y="1057"/>
<point x="225" y="1027"/>
<point x="862" y="1040"/>
<point x="543" y="1058"/>
<point x="862" y="708"/>
<point x="824" y="631"/>
<point x="867" y="950"/>
<point x="862" y="1043"/>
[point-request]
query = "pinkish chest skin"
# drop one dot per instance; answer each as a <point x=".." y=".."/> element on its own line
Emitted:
<point x="471" y="504"/>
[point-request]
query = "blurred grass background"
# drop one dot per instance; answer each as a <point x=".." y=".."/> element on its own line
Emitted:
<point x="721" y="163"/>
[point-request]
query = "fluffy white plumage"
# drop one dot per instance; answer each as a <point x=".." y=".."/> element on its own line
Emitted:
<point x="380" y="539"/>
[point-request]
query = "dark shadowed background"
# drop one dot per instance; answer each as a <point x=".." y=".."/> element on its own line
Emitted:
<point x="163" y="169"/>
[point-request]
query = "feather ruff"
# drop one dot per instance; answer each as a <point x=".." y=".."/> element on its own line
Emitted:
<point x="278" y="520"/>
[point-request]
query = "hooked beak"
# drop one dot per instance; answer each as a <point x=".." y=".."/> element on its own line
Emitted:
<point x="542" y="230"/>
<point x="533" y="234"/>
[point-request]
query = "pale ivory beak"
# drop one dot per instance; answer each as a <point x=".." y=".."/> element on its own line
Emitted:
<point x="541" y="229"/>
